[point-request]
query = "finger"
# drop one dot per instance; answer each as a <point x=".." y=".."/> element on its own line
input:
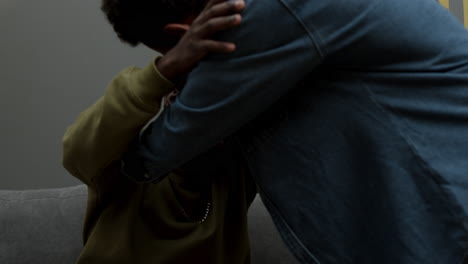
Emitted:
<point x="212" y="3"/>
<point x="217" y="46"/>
<point x="218" y="24"/>
<point x="222" y="9"/>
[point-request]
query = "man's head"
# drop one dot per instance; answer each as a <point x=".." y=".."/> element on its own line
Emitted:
<point x="146" y="21"/>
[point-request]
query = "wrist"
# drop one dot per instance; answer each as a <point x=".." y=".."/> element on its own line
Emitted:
<point x="166" y="67"/>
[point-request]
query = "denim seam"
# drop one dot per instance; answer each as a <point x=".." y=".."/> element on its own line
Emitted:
<point x="435" y="175"/>
<point x="290" y="238"/>
<point x="289" y="235"/>
<point x="318" y="44"/>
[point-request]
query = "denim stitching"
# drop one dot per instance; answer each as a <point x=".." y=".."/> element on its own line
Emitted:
<point x="291" y="240"/>
<point x="436" y="176"/>
<point x="317" y="45"/>
<point x="297" y="247"/>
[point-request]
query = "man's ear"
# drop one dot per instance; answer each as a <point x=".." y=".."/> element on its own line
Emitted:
<point x="176" y="30"/>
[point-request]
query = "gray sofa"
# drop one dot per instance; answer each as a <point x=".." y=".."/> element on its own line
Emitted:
<point x="44" y="226"/>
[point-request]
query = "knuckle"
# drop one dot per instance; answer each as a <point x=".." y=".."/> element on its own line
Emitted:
<point x="210" y="25"/>
<point x="192" y="44"/>
<point x="198" y="47"/>
<point x="209" y="12"/>
<point x="198" y="29"/>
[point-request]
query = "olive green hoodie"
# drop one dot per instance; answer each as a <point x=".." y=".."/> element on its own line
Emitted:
<point x="196" y="216"/>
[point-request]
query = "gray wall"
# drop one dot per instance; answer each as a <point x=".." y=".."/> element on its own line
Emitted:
<point x="56" y="58"/>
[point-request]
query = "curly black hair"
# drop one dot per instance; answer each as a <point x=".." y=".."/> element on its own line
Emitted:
<point x="142" y="21"/>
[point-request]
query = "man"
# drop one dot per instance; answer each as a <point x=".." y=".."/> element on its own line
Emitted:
<point x="362" y="155"/>
<point x="198" y="214"/>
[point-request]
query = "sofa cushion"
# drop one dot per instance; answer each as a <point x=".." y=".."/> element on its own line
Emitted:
<point x="44" y="226"/>
<point x="41" y="226"/>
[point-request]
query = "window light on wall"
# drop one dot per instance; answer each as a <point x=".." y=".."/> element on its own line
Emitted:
<point x="458" y="7"/>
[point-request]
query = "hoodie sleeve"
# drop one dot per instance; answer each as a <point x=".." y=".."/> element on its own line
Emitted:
<point x="103" y="132"/>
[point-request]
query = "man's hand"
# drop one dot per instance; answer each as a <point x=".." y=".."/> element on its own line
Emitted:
<point x="218" y="15"/>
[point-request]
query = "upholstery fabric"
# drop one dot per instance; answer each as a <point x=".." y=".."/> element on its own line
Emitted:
<point x="44" y="226"/>
<point x="41" y="226"/>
